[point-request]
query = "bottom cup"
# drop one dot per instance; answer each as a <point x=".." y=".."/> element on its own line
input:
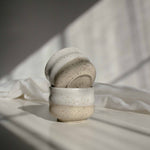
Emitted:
<point x="72" y="104"/>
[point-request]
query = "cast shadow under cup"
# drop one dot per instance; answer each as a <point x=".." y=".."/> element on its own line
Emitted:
<point x="41" y="111"/>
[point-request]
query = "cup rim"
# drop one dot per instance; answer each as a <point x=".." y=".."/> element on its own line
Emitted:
<point x="73" y="89"/>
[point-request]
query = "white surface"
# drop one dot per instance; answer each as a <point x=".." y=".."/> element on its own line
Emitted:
<point x="107" y="129"/>
<point x="24" y="111"/>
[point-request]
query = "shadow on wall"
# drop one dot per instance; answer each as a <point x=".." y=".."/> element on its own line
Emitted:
<point x="130" y="71"/>
<point x="114" y="34"/>
<point x="27" y="25"/>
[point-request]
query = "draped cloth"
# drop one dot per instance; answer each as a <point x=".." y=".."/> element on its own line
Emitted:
<point x="106" y="95"/>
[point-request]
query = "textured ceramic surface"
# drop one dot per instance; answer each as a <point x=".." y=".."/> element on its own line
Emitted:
<point x="72" y="104"/>
<point x="71" y="113"/>
<point x="70" y="68"/>
<point x="55" y="57"/>
<point x="72" y="96"/>
<point x="78" y="73"/>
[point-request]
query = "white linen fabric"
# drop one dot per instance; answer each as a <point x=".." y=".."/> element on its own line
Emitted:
<point x="106" y="95"/>
<point x="28" y="89"/>
<point x="122" y="98"/>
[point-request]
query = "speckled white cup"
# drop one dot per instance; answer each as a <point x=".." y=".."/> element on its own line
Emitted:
<point x="70" y="68"/>
<point x="71" y="104"/>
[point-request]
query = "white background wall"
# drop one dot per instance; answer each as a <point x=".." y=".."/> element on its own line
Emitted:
<point x="115" y="34"/>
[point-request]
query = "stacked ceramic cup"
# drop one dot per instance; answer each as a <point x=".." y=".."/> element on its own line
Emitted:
<point x="71" y="75"/>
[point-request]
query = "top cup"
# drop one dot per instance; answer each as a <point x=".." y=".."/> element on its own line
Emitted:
<point x="70" y="68"/>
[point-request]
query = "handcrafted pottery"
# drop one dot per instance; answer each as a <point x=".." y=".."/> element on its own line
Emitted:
<point x="71" y="104"/>
<point x="70" y="68"/>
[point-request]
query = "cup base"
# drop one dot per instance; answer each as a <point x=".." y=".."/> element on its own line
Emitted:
<point x="71" y="113"/>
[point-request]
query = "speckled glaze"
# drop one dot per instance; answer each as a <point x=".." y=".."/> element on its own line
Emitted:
<point x="71" y="113"/>
<point x="71" y="75"/>
<point x="55" y="57"/>
<point x="70" y="68"/>
<point x="72" y="104"/>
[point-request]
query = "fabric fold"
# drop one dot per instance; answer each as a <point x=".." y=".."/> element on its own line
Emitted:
<point x="29" y="89"/>
<point x="106" y="95"/>
<point x="122" y="98"/>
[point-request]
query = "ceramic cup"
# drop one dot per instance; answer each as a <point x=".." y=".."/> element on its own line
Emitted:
<point x="71" y="104"/>
<point x="70" y="68"/>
